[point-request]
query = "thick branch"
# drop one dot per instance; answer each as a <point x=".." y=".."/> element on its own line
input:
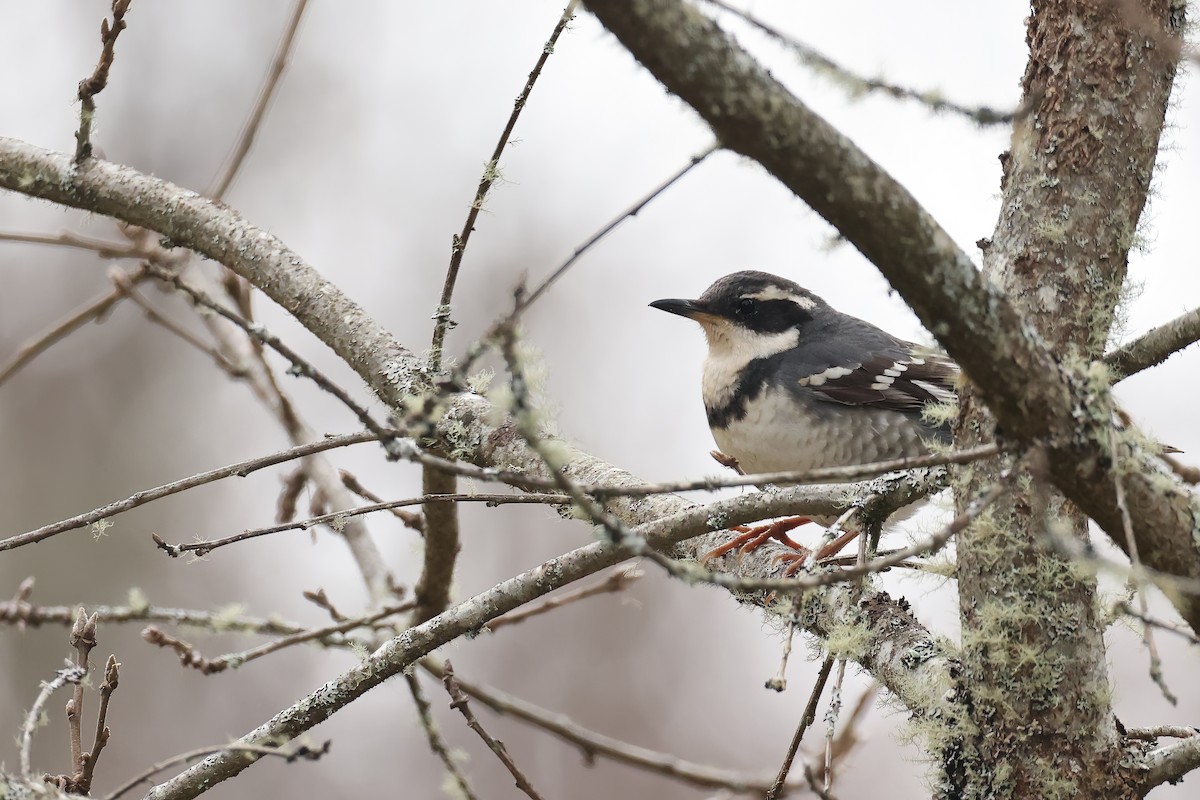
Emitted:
<point x="220" y="233"/>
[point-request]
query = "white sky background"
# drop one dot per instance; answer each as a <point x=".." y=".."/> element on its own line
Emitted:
<point x="366" y="165"/>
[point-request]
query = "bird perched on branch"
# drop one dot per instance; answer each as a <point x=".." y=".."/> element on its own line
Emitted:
<point x="792" y="384"/>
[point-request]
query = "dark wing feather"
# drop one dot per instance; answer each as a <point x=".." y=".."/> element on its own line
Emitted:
<point x="886" y="372"/>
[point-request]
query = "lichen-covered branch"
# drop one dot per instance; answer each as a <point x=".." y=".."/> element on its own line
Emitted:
<point x="1154" y="346"/>
<point x="915" y="668"/>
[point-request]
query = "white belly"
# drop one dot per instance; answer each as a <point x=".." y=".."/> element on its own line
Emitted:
<point x="777" y="434"/>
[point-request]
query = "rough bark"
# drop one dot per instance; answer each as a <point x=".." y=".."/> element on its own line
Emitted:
<point x="1075" y="183"/>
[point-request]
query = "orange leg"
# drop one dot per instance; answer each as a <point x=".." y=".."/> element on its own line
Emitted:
<point x="751" y="538"/>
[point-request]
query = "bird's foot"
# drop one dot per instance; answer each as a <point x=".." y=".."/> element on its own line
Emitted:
<point x="797" y="560"/>
<point x="751" y="538"/>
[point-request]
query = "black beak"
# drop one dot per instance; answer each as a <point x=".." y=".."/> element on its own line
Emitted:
<point x="684" y="308"/>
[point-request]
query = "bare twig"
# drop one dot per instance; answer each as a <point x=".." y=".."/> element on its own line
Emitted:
<point x="94" y="84"/>
<point x="300" y="752"/>
<point x="241" y="469"/>
<point x="300" y="365"/>
<point x="246" y="140"/>
<point x="93" y="310"/>
<point x="1124" y="608"/>
<point x="436" y="743"/>
<point x="856" y="85"/>
<point x="442" y="321"/>
<point x="831" y="718"/>
<point x="821" y="475"/>
<point x="125" y="285"/>
<point x="629" y="213"/>
<point x="1163" y="732"/>
<point x="410" y="520"/>
<point x="336" y="518"/>
<point x="1156" y="673"/>
<point x="189" y="656"/>
<point x="458" y="700"/>
<point x="101" y="247"/>
<point x="617" y="581"/>
<point x="33" y="720"/>
<point x="592" y="744"/>
<point x="806" y="719"/>
<point x="488" y="340"/>
<point x="20" y="611"/>
<point x="779" y="682"/>
<point x="847" y="737"/>
<point x="112" y="674"/>
<point x="83" y="639"/>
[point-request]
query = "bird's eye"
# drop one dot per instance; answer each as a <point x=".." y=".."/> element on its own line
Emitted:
<point x="745" y="307"/>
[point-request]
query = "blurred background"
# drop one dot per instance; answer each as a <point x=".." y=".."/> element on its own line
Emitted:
<point x="366" y="165"/>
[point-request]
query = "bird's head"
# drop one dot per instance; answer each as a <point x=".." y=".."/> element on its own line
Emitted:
<point x="750" y="314"/>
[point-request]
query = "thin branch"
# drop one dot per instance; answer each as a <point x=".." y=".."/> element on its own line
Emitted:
<point x="821" y="475"/>
<point x="831" y="718"/>
<point x="290" y="755"/>
<point x="94" y="84"/>
<point x="112" y="675"/>
<point x="436" y="743"/>
<point x="629" y="213"/>
<point x="592" y="744"/>
<point x="83" y="639"/>
<point x="101" y="247"/>
<point x="847" y="737"/>
<point x="1135" y="561"/>
<point x="21" y="612"/>
<point x="241" y="469"/>
<point x="90" y="311"/>
<point x="125" y="285"/>
<point x="806" y="720"/>
<point x="1124" y="608"/>
<point x="282" y="54"/>
<point x="1163" y="732"/>
<point x="335" y="518"/>
<point x="189" y="656"/>
<point x="617" y="581"/>
<point x="487" y="341"/>
<point x="442" y="321"/>
<point x="458" y="701"/>
<point x="855" y="85"/>
<point x="300" y="365"/>
<point x="33" y="719"/>
<point x="410" y="520"/>
<point x="441" y="520"/>
<point x="1155" y="346"/>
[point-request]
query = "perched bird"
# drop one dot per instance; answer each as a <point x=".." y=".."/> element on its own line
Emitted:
<point x="792" y="384"/>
